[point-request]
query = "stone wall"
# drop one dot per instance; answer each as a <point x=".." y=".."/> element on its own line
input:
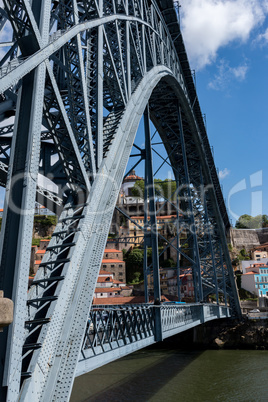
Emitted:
<point x="262" y="235"/>
<point x="247" y="238"/>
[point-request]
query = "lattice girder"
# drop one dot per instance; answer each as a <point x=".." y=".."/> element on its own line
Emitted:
<point x="98" y="64"/>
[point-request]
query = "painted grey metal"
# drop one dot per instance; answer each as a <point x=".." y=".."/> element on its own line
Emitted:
<point x="115" y="331"/>
<point x="196" y="270"/>
<point x="149" y="183"/>
<point x="92" y="79"/>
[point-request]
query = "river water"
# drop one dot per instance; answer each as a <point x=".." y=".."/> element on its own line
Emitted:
<point x="163" y="375"/>
<point x="178" y="375"/>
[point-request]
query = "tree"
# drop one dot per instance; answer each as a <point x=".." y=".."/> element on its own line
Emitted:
<point x="134" y="264"/>
<point x="252" y="222"/>
<point x="243" y="222"/>
<point x="163" y="188"/>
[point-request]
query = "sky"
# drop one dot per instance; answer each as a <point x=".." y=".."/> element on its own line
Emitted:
<point x="227" y="46"/>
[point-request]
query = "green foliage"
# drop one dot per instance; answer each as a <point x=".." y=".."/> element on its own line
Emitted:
<point x="36" y="242"/>
<point x="168" y="263"/>
<point x="135" y="258"/>
<point x="137" y="276"/>
<point x="45" y="221"/>
<point x="138" y="189"/>
<point x="238" y="280"/>
<point x="134" y="265"/>
<point x="246" y="295"/>
<point x="249" y="222"/>
<point x="111" y="235"/>
<point x="163" y="188"/>
<point x="230" y="247"/>
<point x="243" y="255"/>
<point x="235" y="261"/>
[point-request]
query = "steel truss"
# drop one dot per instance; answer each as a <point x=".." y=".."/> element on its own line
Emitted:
<point x="78" y="75"/>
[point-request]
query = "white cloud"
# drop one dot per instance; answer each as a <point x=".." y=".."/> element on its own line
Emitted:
<point x="225" y="74"/>
<point x="223" y="173"/>
<point x="263" y="38"/>
<point x="208" y="25"/>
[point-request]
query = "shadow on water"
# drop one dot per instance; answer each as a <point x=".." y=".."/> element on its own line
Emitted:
<point x="138" y="376"/>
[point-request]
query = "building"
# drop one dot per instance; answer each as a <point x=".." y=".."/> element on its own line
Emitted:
<point x="258" y="254"/>
<point x="113" y="262"/>
<point x="41" y="210"/>
<point x="261" y="251"/>
<point x="168" y="283"/>
<point x="255" y="280"/>
<point x="108" y="287"/>
<point x="187" y="285"/>
<point x="133" y="206"/>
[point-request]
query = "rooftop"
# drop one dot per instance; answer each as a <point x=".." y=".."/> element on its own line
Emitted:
<point x="124" y="300"/>
<point x="158" y="217"/>
<point x="105" y="273"/>
<point x="106" y="290"/>
<point x="103" y="279"/>
<point x="112" y="250"/>
<point x="111" y="260"/>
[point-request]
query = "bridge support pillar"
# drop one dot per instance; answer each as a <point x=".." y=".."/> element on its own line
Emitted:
<point x="158" y="335"/>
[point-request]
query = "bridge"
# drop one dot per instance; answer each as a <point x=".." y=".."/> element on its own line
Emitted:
<point x="77" y="80"/>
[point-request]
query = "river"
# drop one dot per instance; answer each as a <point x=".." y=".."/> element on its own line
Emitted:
<point x="163" y="375"/>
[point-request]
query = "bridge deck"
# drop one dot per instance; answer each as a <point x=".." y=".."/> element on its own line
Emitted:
<point x="116" y="331"/>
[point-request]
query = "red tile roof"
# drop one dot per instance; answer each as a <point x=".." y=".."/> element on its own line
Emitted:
<point x="102" y="272"/>
<point x="102" y="279"/>
<point x="40" y="251"/>
<point x="250" y="273"/>
<point x="158" y="217"/>
<point x="124" y="300"/>
<point x="37" y="262"/>
<point x="106" y="290"/>
<point x="112" y="250"/>
<point x="110" y="260"/>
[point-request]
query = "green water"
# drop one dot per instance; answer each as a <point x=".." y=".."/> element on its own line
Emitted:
<point x="175" y="375"/>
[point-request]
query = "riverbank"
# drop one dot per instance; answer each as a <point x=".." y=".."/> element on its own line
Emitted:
<point x="225" y="334"/>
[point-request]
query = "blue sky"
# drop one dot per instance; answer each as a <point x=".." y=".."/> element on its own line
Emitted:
<point x="227" y="44"/>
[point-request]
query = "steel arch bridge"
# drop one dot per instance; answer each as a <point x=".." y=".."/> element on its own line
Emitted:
<point x="78" y="75"/>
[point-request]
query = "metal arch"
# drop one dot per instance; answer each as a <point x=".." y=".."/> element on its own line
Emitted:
<point x="93" y="150"/>
<point x="91" y="239"/>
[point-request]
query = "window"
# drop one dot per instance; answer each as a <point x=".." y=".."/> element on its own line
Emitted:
<point x="111" y="294"/>
<point x="104" y="266"/>
<point x="112" y="266"/>
<point x="120" y="265"/>
<point x="121" y="273"/>
<point x="101" y="294"/>
<point x="106" y="255"/>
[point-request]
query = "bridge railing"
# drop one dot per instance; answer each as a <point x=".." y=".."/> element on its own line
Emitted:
<point x="115" y="331"/>
<point x="109" y="328"/>
<point x="178" y="316"/>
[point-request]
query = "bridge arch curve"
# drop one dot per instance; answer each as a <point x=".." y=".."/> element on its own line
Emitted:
<point x="113" y="56"/>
